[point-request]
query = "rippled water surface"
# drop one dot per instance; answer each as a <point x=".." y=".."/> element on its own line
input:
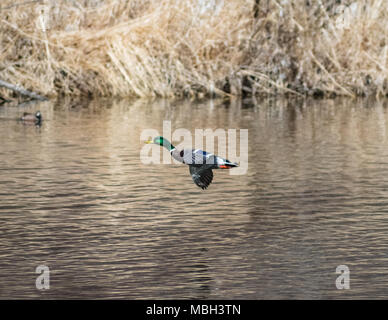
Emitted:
<point x="74" y="196"/>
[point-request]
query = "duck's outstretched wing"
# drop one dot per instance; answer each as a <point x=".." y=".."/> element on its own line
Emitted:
<point x="202" y="177"/>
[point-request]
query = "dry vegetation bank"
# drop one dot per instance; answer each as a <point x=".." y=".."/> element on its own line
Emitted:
<point x="192" y="47"/>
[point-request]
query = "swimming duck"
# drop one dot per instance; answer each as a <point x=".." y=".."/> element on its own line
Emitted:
<point x="32" y="117"/>
<point x="200" y="162"/>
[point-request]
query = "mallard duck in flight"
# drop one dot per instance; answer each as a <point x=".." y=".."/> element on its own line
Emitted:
<point x="200" y="162"/>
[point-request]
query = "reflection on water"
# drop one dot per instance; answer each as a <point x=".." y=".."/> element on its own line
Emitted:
<point x="74" y="196"/>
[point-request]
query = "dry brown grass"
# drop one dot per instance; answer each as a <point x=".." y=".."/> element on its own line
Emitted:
<point x="173" y="48"/>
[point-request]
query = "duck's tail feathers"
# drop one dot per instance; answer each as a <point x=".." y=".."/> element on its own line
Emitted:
<point x="228" y="165"/>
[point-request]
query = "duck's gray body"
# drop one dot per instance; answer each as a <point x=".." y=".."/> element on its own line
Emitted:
<point x="195" y="157"/>
<point x="32" y="117"/>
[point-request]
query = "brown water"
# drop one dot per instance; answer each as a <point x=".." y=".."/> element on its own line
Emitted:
<point x="75" y="196"/>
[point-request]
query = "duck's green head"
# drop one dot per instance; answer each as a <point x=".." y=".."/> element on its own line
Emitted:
<point x="161" y="142"/>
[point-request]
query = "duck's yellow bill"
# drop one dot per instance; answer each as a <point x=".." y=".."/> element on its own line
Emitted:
<point x="148" y="142"/>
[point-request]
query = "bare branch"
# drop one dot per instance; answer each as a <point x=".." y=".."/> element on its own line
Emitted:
<point x="21" y="91"/>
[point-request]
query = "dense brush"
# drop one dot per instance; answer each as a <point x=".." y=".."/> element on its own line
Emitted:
<point x="192" y="47"/>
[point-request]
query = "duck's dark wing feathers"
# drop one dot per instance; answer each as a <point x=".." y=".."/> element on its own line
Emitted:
<point x="202" y="177"/>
